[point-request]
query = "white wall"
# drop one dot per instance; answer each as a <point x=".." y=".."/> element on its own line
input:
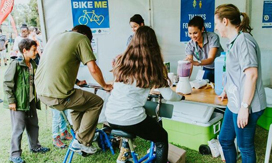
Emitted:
<point x="165" y="19"/>
<point x="263" y="36"/>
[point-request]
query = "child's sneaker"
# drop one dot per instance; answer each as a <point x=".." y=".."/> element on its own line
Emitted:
<point x="66" y="135"/>
<point x="16" y="159"/>
<point x="40" y="150"/>
<point x="58" y="143"/>
<point x="77" y="147"/>
<point x="124" y="154"/>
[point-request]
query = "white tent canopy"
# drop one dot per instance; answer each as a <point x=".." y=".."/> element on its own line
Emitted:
<point x="163" y="16"/>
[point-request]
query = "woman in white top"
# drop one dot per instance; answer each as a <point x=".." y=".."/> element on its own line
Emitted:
<point x="244" y="87"/>
<point x="204" y="46"/>
<point x="135" y="22"/>
<point x="24" y="34"/>
<point x="138" y="70"/>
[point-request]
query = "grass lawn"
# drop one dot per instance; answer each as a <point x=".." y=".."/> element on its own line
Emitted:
<point x="57" y="155"/>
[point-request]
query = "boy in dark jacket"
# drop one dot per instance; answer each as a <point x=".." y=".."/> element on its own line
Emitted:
<point x="22" y="101"/>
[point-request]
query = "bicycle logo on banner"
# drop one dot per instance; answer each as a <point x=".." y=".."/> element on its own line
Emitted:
<point x="84" y="19"/>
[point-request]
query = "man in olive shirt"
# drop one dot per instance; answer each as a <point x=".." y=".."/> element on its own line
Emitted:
<point x="56" y="76"/>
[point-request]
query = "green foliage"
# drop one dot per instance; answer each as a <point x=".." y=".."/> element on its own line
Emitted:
<point x="27" y="14"/>
<point x="34" y="14"/>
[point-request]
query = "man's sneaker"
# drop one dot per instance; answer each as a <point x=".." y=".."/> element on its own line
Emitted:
<point x="66" y="135"/>
<point x="58" y="143"/>
<point x="40" y="150"/>
<point x="16" y="159"/>
<point x="77" y="147"/>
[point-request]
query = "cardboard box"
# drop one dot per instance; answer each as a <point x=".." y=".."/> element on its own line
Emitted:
<point x="176" y="154"/>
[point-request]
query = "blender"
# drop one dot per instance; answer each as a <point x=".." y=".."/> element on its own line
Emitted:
<point x="184" y="69"/>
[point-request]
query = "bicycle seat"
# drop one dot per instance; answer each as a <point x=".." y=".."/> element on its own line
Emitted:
<point x="122" y="134"/>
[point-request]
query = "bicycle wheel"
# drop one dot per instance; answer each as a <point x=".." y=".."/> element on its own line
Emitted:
<point x="83" y="20"/>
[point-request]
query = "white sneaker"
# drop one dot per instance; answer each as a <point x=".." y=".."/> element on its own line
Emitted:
<point x="120" y="161"/>
<point x="77" y="147"/>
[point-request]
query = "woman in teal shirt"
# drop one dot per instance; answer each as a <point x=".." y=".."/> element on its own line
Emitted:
<point x="204" y="47"/>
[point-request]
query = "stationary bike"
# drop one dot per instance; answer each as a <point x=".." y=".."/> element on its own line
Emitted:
<point x="103" y="139"/>
<point x="156" y="110"/>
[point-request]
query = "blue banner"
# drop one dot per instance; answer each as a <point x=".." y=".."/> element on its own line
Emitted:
<point x="267" y="14"/>
<point x="93" y="13"/>
<point x="191" y="8"/>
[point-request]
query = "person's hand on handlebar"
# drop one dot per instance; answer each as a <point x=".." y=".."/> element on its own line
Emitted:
<point x="108" y="87"/>
<point x="81" y="83"/>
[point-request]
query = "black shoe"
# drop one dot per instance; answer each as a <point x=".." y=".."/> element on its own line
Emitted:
<point x="5" y="64"/>
<point x="40" y="150"/>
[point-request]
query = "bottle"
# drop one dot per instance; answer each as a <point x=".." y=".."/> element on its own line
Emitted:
<point x="167" y="65"/>
<point x="220" y="73"/>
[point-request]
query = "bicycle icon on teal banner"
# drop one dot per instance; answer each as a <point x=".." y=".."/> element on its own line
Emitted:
<point x="90" y="16"/>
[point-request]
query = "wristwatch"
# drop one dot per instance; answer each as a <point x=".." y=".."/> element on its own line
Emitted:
<point x="245" y="105"/>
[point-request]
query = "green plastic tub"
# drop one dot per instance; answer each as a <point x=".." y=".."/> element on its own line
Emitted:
<point x="266" y="119"/>
<point x="191" y="134"/>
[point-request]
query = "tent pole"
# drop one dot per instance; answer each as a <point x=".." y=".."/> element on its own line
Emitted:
<point x="42" y="21"/>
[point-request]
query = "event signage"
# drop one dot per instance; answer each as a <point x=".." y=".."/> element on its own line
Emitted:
<point x="191" y="8"/>
<point x="6" y="7"/>
<point x="267" y="14"/>
<point x="93" y="13"/>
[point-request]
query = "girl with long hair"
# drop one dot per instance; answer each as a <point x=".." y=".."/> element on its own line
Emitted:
<point x="138" y="70"/>
<point x="244" y="87"/>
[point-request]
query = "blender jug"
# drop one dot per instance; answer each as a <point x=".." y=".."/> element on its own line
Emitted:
<point x="183" y="71"/>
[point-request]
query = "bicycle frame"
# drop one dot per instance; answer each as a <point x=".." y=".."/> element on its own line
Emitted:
<point x="103" y="136"/>
<point x="151" y="155"/>
<point x="148" y="158"/>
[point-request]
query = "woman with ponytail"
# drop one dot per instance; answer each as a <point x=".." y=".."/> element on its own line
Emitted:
<point x="204" y="46"/>
<point x="244" y="87"/>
